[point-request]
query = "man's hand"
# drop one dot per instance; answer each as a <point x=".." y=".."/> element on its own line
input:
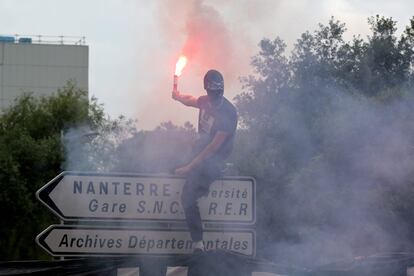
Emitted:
<point x="183" y="170"/>
<point x="175" y="95"/>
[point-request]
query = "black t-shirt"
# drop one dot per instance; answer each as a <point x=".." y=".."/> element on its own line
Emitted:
<point x="212" y="119"/>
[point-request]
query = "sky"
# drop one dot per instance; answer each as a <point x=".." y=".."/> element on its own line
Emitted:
<point x="134" y="44"/>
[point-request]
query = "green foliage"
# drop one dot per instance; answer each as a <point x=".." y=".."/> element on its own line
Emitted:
<point x="32" y="153"/>
<point x="320" y="131"/>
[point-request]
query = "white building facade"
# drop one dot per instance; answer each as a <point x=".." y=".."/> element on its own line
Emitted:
<point x="40" y="67"/>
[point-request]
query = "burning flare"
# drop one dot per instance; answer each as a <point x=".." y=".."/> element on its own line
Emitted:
<point x="182" y="61"/>
<point x="179" y="66"/>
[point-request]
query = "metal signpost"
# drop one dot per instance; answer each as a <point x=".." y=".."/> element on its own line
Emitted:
<point x="121" y="200"/>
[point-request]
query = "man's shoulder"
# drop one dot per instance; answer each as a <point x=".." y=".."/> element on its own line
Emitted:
<point x="202" y="101"/>
<point x="229" y="107"/>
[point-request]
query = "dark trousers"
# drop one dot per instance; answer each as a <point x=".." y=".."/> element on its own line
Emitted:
<point x="197" y="185"/>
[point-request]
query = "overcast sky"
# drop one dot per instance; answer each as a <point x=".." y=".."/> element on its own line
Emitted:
<point x="134" y="44"/>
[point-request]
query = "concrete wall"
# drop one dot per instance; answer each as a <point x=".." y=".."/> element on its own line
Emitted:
<point x="40" y="68"/>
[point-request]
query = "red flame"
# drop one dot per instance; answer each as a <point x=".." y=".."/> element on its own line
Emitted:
<point x="182" y="61"/>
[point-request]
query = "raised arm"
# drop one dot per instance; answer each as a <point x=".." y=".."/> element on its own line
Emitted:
<point x="187" y="100"/>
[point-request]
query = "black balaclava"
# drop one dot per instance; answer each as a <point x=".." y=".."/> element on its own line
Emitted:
<point x="214" y="85"/>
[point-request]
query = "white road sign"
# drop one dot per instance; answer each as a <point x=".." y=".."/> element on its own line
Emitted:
<point x="135" y="197"/>
<point x="66" y="240"/>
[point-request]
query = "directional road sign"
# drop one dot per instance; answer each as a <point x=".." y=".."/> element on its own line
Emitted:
<point x="135" y="197"/>
<point x="75" y="240"/>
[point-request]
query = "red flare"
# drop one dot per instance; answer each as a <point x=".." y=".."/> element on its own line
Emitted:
<point x="182" y="61"/>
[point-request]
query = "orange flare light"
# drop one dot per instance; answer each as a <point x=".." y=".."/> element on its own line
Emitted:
<point x="182" y="61"/>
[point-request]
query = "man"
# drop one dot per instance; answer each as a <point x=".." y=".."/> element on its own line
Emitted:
<point x="217" y="122"/>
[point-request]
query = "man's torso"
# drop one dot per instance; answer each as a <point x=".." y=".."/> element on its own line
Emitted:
<point x="211" y="119"/>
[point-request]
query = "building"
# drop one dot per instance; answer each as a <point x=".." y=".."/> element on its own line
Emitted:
<point x="40" y="65"/>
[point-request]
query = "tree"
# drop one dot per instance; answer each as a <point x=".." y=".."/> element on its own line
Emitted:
<point x="32" y="153"/>
<point x="320" y="130"/>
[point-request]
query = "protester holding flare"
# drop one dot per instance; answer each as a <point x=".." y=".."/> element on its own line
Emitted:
<point x="217" y="122"/>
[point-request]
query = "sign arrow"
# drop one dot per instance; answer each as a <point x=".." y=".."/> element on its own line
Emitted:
<point x="136" y="197"/>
